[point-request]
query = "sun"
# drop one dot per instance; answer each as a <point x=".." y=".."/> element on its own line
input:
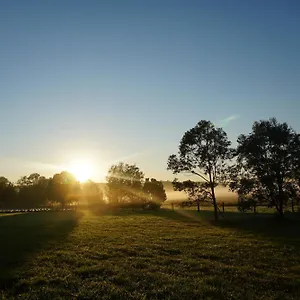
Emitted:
<point x="82" y="170"/>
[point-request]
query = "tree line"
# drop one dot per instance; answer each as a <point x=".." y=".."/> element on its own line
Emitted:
<point x="35" y="191"/>
<point x="264" y="168"/>
<point x="126" y="188"/>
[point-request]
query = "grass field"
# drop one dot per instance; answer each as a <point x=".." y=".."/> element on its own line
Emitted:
<point x="147" y="255"/>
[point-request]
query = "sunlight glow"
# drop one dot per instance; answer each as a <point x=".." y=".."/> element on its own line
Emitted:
<point x="82" y="170"/>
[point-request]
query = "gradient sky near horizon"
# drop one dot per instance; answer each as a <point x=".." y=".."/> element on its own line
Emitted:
<point x="123" y="80"/>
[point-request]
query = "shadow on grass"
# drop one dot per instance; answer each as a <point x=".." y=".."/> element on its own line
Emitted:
<point x="22" y="235"/>
<point x="265" y="225"/>
<point x="268" y="225"/>
<point x="176" y="215"/>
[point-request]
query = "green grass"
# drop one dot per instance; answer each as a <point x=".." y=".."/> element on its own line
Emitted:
<point x="147" y="255"/>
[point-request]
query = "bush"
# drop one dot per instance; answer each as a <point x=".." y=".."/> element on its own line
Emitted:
<point x="246" y="204"/>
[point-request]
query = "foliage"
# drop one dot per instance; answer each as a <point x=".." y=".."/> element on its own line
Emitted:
<point x="32" y="191"/>
<point x="64" y="189"/>
<point x="196" y="192"/>
<point x="267" y="164"/>
<point x="35" y="191"/>
<point x="154" y="193"/>
<point x="203" y="151"/>
<point x="126" y="189"/>
<point x="8" y="193"/>
<point x="124" y="185"/>
<point x="246" y="204"/>
<point x="92" y="194"/>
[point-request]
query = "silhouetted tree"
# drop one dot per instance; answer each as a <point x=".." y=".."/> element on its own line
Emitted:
<point x="267" y="163"/>
<point x="124" y="185"/>
<point x="154" y="193"/>
<point x="64" y="189"/>
<point x="203" y="151"/>
<point x="92" y="194"/>
<point x="8" y="194"/>
<point x="196" y="192"/>
<point x="246" y="203"/>
<point x="32" y="190"/>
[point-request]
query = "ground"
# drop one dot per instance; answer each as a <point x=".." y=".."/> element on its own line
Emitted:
<point x="148" y="255"/>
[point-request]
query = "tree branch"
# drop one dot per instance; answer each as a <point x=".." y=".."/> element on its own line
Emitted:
<point x="193" y="172"/>
<point x="210" y="193"/>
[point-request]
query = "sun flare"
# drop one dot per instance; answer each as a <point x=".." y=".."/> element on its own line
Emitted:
<point x="82" y="170"/>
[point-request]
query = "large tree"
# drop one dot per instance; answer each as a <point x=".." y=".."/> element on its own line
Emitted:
<point x="267" y="164"/>
<point x="124" y="184"/>
<point x="203" y="152"/>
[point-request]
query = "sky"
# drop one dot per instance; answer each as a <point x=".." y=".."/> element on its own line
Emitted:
<point x="109" y="81"/>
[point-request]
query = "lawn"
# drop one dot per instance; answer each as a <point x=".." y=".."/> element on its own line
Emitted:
<point x="148" y="255"/>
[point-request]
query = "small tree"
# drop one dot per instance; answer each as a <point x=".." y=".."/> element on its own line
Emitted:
<point x="203" y="151"/>
<point x="246" y="203"/>
<point x="124" y="185"/>
<point x="8" y="194"/>
<point x="267" y="163"/>
<point x="64" y="189"/>
<point x="32" y="190"/>
<point x="154" y="193"/>
<point x="195" y="191"/>
<point x="92" y="194"/>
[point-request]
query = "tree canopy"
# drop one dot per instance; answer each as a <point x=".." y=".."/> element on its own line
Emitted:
<point x="91" y="193"/>
<point x="124" y="184"/>
<point x="203" y="151"/>
<point x="196" y="191"/>
<point x="64" y="188"/>
<point x="154" y="193"/>
<point x="268" y="163"/>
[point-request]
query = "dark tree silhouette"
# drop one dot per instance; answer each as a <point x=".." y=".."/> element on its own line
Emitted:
<point x="203" y="151"/>
<point x="92" y="194"/>
<point x="64" y="189"/>
<point x="196" y="192"/>
<point x="124" y="185"/>
<point x="267" y="164"/>
<point x="32" y="191"/>
<point x="154" y="193"/>
<point x="8" y="194"/>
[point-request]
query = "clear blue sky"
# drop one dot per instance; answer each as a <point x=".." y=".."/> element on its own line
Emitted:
<point x="123" y="80"/>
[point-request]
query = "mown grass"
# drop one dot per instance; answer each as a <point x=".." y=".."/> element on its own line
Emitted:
<point x="148" y="255"/>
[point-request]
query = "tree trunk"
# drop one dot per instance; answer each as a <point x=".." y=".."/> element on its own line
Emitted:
<point x="279" y="206"/>
<point x="281" y="200"/>
<point x="293" y="209"/>
<point x="281" y="211"/>
<point x="198" y="206"/>
<point x="212" y="188"/>
<point x="214" y="203"/>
